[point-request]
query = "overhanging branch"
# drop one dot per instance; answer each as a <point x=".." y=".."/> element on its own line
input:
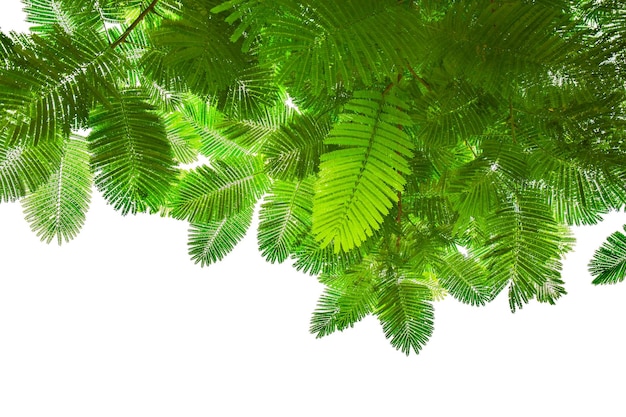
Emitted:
<point x="134" y="24"/>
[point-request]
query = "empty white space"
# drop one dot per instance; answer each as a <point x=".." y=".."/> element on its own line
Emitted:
<point x="120" y="323"/>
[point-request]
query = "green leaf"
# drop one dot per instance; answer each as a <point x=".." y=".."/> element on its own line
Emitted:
<point x="52" y="82"/>
<point x="406" y="314"/>
<point x="608" y="264"/>
<point x="212" y="241"/>
<point x="285" y="218"/>
<point x="464" y="278"/>
<point x="205" y="120"/>
<point x="23" y="169"/>
<point x="343" y="305"/>
<point x="311" y="258"/>
<point x="132" y="157"/>
<point x="325" y="43"/>
<point x="524" y="249"/>
<point x="70" y="15"/>
<point x="197" y="49"/>
<point x="294" y="150"/>
<point x="221" y="190"/>
<point x="57" y="209"/>
<point x="360" y="181"/>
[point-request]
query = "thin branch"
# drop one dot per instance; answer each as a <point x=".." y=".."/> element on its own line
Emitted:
<point x="512" y="120"/>
<point x="134" y="24"/>
<point x="470" y="147"/>
<point x="399" y="221"/>
<point x="392" y="84"/>
<point x="420" y="79"/>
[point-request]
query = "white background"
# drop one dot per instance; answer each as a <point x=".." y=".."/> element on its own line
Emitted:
<point x="120" y="323"/>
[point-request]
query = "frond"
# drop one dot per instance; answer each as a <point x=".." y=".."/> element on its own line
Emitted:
<point x="551" y="290"/>
<point x="206" y="122"/>
<point x="196" y="48"/>
<point x="58" y="207"/>
<point x="211" y="241"/>
<point x="608" y="265"/>
<point x="525" y="247"/>
<point x="350" y="298"/>
<point x="294" y="150"/>
<point x="359" y="182"/>
<point x="68" y="15"/>
<point x="253" y="133"/>
<point x="183" y="139"/>
<point x="132" y="158"/>
<point x="476" y="189"/>
<point x="197" y="125"/>
<point x="221" y="190"/>
<point x="325" y="43"/>
<point x="24" y="168"/>
<point x="464" y="278"/>
<point x="313" y="259"/>
<point x="52" y="84"/>
<point x="406" y="314"/>
<point x="252" y="90"/>
<point x="578" y="187"/>
<point x="285" y="218"/>
<point x="490" y="44"/>
<point x="481" y="186"/>
<point x="450" y="114"/>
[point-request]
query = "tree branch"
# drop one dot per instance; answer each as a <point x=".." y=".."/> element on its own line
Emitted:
<point x="134" y="24"/>
<point x="512" y="119"/>
<point x="420" y="79"/>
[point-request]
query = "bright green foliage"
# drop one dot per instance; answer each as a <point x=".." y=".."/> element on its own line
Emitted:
<point x="402" y="151"/>
<point x="350" y="296"/>
<point x="285" y="218"/>
<point x="209" y="242"/>
<point x="58" y="207"/>
<point x="608" y="265"/>
<point x="360" y="180"/>
<point x="24" y="169"/>
<point x="406" y="313"/>
<point x="131" y="154"/>
<point x="211" y="193"/>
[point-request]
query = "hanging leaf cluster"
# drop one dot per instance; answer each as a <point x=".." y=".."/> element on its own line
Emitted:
<point x="400" y="151"/>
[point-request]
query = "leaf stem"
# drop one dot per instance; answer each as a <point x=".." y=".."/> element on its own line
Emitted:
<point x="399" y="221"/>
<point x="134" y="24"/>
<point x="420" y="79"/>
<point x="512" y="120"/>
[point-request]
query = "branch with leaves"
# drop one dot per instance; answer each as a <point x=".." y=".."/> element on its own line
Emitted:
<point x="399" y="151"/>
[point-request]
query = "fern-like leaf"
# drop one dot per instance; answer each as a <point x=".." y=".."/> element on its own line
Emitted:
<point x="359" y="182"/>
<point x="57" y="208"/>
<point x="196" y="49"/>
<point x="23" y="169"/>
<point x="70" y="15"/>
<point x="52" y="83"/>
<point x="132" y="157"/>
<point x="212" y="241"/>
<point x="525" y="248"/>
<point x="294" y="150"/>
<point x="221" y="190"/>
<point x="464" y="278"/>
<point x="343" y="305"/>
<point x="285" y="218"/>
<point x="312" y="259"/>
<point x="406" y="314"/>
<point x="608" y="264"/>
<point x="325" y="43"/>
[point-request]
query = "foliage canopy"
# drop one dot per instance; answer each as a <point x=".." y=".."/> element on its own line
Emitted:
<point x="400" y="150"/>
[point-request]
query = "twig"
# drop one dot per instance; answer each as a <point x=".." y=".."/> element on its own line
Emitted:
<point x="420" y="79"/>
<point x="512" y="119"/>
<point x="134" y="24"/>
